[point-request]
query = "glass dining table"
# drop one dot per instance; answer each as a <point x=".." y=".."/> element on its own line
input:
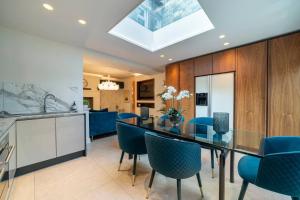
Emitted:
<point x="204" y="135"/>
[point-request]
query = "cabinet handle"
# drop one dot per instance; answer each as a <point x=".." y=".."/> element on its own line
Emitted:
<point x="2" y="173"/>
<point x="11" y="150"/>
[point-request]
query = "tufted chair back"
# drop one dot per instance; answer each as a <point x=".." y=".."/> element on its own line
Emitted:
<point x="201" y="124"/>
<point x="173" y="158"/>
<point x="127" y="115"/>
<point x="131" y="139"/>
<point x="279" y="169"/>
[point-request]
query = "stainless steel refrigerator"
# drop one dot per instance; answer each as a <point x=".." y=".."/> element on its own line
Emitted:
<point x="215" y="93"/>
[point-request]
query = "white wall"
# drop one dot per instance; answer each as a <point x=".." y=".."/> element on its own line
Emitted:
<point x="52" y="66"/>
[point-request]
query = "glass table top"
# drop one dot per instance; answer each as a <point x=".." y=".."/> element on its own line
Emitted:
<point x="203" y="134"/>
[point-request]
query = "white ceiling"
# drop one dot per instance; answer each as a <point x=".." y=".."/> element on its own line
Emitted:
<point x="106" y="67"/>
<point x="242" y="21"/>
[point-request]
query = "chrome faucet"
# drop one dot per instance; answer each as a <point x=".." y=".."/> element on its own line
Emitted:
<point x="45" y="100"/>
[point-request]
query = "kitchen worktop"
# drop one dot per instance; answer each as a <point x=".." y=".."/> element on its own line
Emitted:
<point x="5" y="124"/>
<point x="7" y="121"/>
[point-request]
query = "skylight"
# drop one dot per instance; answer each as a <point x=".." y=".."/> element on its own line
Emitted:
<point x="156" y="24"/>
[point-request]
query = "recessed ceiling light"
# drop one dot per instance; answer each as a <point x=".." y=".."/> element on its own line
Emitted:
<point x="222" y="36"/>
<point x="81" y="21"/>
<point x="170" y="59"/>
<point x="162" y="55"/>
<point x="137" y="74"/>
<point x="48" y="6"/>
<point x="226" y="43"/>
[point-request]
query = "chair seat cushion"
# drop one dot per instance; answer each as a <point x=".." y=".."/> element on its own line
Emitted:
<point x="248" y="168"/>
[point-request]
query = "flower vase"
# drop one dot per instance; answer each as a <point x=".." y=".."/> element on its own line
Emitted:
<point x="175" y="120"/>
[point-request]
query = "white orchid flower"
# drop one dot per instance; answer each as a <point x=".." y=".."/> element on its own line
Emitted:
<point x="167" y="96"/>
<point x="171" y="90"/>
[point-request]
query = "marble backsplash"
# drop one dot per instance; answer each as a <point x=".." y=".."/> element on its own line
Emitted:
<point x="16" y="98"/>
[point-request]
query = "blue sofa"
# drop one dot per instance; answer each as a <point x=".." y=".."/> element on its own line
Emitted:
<point x="102" y="123"/>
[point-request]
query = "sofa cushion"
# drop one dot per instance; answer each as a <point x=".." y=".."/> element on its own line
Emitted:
<point x="101" y="110"/>
<point x="102" y="122"/>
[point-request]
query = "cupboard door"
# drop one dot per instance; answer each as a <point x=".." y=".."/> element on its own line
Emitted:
<point x="172" y="78"/>
<point x="172" y="75"/>
<point x="70" y="135"/>
<point x="203" y="65"/>
<point x="224" y="61"/>
<point x="251" y="94"/>
<point x="187" y="82"/>
<point x="35" y="141"/>
<point x="284" y="86"/>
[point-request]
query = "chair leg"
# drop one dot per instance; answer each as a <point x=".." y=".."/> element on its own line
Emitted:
<point x="121" y="159"/>
<point x="179" y="189"/>
<point x="134" y="169"/>
<point x="150" y="183"/>
<point x="295" y="198"/>
<point x="212" y="160"/>
<point x="243" y="190"/>
<point x="216" y="152"/>
<point x="200" y="184"/>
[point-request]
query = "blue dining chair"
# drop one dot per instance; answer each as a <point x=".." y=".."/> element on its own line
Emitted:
<point x="166" y="117"/>
<point x="278" y="170"/>
<point x="131" y="141"/>
<point x="173" y="158"/>
<point x="201" y="124"/>
<point x="127" y="115"/>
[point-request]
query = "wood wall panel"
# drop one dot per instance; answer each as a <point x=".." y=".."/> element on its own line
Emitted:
<point x="284" y="86"/>
<point x="203" y="65"/>
<point x="187" y="83"/>
<point x="224" y="61"/>
<point x="172" y="77"/>
<point x="251" y="94"/>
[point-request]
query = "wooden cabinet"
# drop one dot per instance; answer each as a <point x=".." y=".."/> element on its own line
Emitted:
<point x="203" y="65"/>
<point x="172" y="78"/>
<point x="187" y="82"/>
<point x="224" y="61"/>
<point x="70" y="135"/>
<point x="172" y="75"/>
<point x="267" y="85"/>
<point x="251" y="94"/>
<point x="35" y="141"/>
<point x="284" y="86"/>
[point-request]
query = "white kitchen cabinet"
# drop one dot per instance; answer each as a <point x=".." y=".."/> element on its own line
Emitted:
<point x="35" y="141"/>
<point x="70" y="134"/>
<point x="12" y="165"/>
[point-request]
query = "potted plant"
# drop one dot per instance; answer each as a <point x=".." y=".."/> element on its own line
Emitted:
<point x="175" y="114"/>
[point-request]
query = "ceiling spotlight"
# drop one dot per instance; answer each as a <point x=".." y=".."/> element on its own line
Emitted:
<point x="81" y="21"/>
<point x="170" y="59"/>
<point x="222" y="36"/>
<point x="162" y="55"/>
<point x="48" y="7"/>
<point x="226" y="43"/>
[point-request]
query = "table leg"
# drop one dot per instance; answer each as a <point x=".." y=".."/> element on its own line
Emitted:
<point x="222" y="176"/>
<point x="232" y="166"/>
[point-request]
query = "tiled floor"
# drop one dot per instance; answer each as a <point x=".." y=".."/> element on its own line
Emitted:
<point x="96" y="177"/>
